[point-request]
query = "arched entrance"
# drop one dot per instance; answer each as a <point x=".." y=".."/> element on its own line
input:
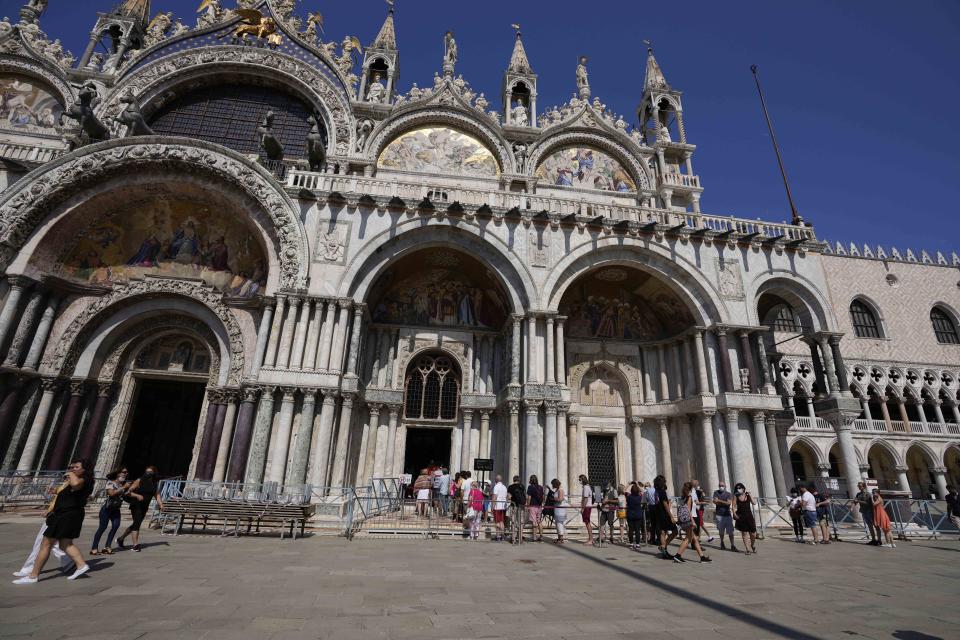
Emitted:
<point x="430" y="411"/>
<point x="803" y="462"/>
<point x="883" y="467"/>
<point x="919" y="464"/>
<point x="951" y="460"/>
<point x="601" y="397"/>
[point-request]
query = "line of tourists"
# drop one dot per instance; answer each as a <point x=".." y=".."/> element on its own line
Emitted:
<point x="65" y="515"/>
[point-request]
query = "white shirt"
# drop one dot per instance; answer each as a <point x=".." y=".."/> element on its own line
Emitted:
<point x="809" y="502"/>
<point x="587" y="494"/>
<point x="499" y="497"/>
<point x="465" y="487"/>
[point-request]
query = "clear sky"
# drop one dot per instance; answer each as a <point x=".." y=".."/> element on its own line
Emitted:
<point x="863" y="94"/>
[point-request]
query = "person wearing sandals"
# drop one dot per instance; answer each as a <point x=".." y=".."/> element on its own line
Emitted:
<point x="881" y="520"/>
<point x="665" y="522"/>
<point x="110" y="511"/>
<point x="586" y="506"/>
<point x="534" y="507"/>
<point x="139" y="495"/>
<point x="744" y="521"/>
<point x="560" y="509"/>
<point x="685" y="510"/>
<point x="64" y="521"/>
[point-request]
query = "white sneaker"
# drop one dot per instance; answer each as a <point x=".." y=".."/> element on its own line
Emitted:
<point x="710" y="539"/>
<point x="21" y="574"/>
<point x="79" y="572"/>
<point x="25" y="580"/>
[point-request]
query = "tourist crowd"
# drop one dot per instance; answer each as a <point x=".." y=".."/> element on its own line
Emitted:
<point x="65" y="514"/>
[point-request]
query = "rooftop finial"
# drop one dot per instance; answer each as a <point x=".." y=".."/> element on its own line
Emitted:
<point x="649" y="44"/>
<point x="518" y="59"/>
<point x="516" y="27"/>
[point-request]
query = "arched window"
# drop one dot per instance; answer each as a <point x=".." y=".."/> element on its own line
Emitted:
<point x="865" y="324"/>
<point x="944" y="327"/>
<point x="432" y="390"/>
<point x="782" y="318"/>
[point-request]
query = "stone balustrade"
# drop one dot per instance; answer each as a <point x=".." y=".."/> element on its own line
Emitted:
<point x="28" y="152"/>
<point x="680" y="180"/>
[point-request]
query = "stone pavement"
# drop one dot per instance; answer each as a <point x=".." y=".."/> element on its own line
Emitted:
<point x="211" y="588"/>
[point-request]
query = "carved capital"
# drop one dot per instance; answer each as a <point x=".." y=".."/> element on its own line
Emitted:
<point x="900" y="468"/>
<point x="329" y="396"/>
<point x="563" y="407"/>
<point x="104" y="388"/>
<point x="532" y="406"/>
<point x="50" y="383"/>
<point x="251" y="393"/>
<point x="758" y="417"/>
<point x="288" y="393"/>
<point x="823" y="466"/>
<point x="732" y="415"/>
<point x="550" y="406"/>
<point x="513" y="407"/>
<point x="573" y="419"/>
<point x="309" y="395"/>
<point x="77" y="387"/>
<point x="636" y="421"/>
<point x="374" y="409"/>
<point x="708" y="414"/>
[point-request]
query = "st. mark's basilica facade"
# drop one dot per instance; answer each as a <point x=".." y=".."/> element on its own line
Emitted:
<point x="241" y="253"/>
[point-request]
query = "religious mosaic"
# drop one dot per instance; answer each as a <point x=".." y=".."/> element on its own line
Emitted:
<point x="439" y="150"/>
<point x="585" y="168"/>
<point x="174" y="238"/>
<point x="623" y="304"/>
<point x="26" y="104"/>
<point x="439" y="288"/>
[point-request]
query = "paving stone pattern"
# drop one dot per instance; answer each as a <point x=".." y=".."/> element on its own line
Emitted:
<point x="224" y="588"/>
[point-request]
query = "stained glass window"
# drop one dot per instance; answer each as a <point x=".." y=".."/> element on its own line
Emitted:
<point x="432" y="390"/>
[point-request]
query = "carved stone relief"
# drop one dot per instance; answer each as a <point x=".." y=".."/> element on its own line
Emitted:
<point x="333" y="237"/>
<point x="729" y="281"/>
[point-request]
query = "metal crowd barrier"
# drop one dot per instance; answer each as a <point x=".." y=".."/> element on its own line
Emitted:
<point x="31" y="489"/>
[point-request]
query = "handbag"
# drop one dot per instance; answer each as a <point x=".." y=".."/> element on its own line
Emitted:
<point x="683" y="516"/>
<point x="471" y="513"/>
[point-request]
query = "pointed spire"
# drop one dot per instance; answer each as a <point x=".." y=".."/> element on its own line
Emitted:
<point x="137" y="9"/>
<point x="655" y="78"/>
<point x="387" y="38"/>
<point x="518" y="60"/>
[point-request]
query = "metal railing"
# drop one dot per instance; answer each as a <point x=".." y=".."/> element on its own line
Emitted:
<point x="33" y="489"/>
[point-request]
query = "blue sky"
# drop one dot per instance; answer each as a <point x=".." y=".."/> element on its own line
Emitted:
<point x="862" y="93"/>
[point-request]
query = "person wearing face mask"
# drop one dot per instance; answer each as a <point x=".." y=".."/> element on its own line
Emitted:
<point x="139" y="495"/>
<point x="110" y="511"/>
<point x="743" y="515"/>
<point x="723" y="517"/>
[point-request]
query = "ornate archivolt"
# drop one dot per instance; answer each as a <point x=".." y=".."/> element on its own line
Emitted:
<point x="626" y="368"/>
<point x="408" y="353"/>
<point x="73" y="340"/>
<point x="44" y="71"/>
<point x="158" y="80"/>
<point x="142" y="334"/>
<point x="571" y="136"/>
<point x="32" y="199"/>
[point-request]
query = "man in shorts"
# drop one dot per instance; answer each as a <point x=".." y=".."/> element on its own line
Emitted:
<point x="865" y="501"/>
<point x="809" y="503"/>
<point x="499" y="506"/>
<point x="586" y="506"/>
<point x="723" y="516"/>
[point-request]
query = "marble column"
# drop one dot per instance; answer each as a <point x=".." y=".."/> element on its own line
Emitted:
<point x="42" y="333"/>
<point x="779" y="480"/>
<point x="664" y="380"/>
<point x="726" y="373"/>
<point x="647" y="356"/>
<point x="690" y="379"/>
<point x="261" y="437"/>
<point x="355" y="340"/>
<point x="394" y="337"/>
<point x="281" y="446"/>
<point x="389" y="470"/>
<point x="940" y="479"/>
<point x="955" y="409"/>
<point x="848" y="453"/>
<point x="89" y="445"/>
<point x="484" y="434"/>
<point x="842" y="379"/>
<point x="575" y="465"/>
<point x="904" y="416"/>
<point x="551" y="358"/>
<point x="319" y="473"/>
<point x="515" y="352"/>
<point x="677" y="370"/>
<point x="765" y="380"/>
<point x="767" y="482"/>
<point x="532" y="373"/>
<point x="328" y="320"/>
<point x="824" y="469"/>
<point x="751" y="363"/>
<point x="533" y="463"/>
<point x="338" y="477"/>
<point x="563" y="463"/>
<point x="470" y="361"/>
<point x="200" y="470"/>
<point x="28" y="457"/>
<point x="703" y="382"/>
<point x="243" y="435"/>
<point x="286" y="336"/>
<point x="466" y="432"/>
<point x="313" y="335"/>
<point x="25" y="327"/>
<point x="297" y="470"/>
<point x="274" y="342"/>
<point x="561" y="354"/>
<point x="639" y="472"/>
<point x="376" y="445"/>
<point x="514" y="408"/>
<point x="733" y="443"/>
<point x="339" y="337"/>
<point x="63" y="443"/>
<point x="384" y="356"/>
<point x="11" y="308"/>
<point x="666" y="463"/>
<point x="828" y="365"/>
<point x="8" y="408"/>
<point x="210" y="464"/>
<point x="902" y="478"/>
<point x="300" y="336"/>
<point x="263" y="336"/>
<point x="938" y="411"/>
<point x="711" y="470"/>
<point x="230" y="397"/>
<point x="550" y="442"/>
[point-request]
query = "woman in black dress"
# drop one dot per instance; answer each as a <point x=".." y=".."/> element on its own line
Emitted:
<point x="65" y="519"/>
<point x="140" y="494"/>
<point x="743" y="517"/>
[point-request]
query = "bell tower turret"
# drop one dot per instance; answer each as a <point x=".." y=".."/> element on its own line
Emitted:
<point x="378" y="80"/>
<point x="118" y="32"/>
<point x="519" y="88"/>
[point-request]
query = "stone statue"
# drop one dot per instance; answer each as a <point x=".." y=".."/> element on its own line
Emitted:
<point x="520" y="156"/>
<point x="132" y="118"/>
<point x="520" y="115"/>
<point x="449" y="53"/>
<point x="268" y="141"/>
<point x="415" y="92"/>
<point x="82" y="111"/>
<point x="96" y="61"/>
<point x="316" y="149"/>
<point x="178" y="28"/>
<point x="158" y="27"/>
<point x="376" y="91"/>
<point x="583" y="79"/>
<point x="663" y="134"/>
<point x="364" y="127"/>
<point x="745" y="379"/>
<point x="38" y="5"/>
<point x="210" y="13"/>
<point x="482" y="102"/>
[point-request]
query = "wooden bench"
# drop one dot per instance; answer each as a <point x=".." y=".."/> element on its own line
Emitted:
<point x="234" y="515"/>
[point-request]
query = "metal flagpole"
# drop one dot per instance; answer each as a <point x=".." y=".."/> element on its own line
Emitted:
<point x="776" y="148"/>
